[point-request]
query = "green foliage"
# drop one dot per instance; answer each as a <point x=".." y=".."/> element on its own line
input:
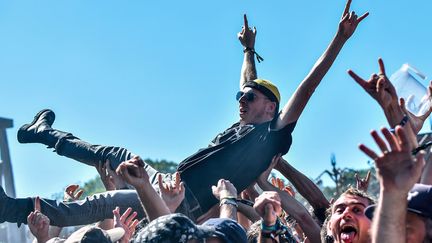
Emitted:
<point x="348" y="179"/>
<point x="95" y="185"/>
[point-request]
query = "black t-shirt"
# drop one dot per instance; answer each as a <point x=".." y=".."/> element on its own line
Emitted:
<point x="239" y="154"/>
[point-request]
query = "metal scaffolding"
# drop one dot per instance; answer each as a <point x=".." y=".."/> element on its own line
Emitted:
<point x="8" y="232"/>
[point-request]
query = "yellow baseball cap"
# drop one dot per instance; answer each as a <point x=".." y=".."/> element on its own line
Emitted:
<point x="266" y="87"/>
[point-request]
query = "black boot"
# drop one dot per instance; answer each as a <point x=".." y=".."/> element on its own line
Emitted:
<point x="14" y="210"/>
<point x="37" y="131"/>
<point x="66" y="144"/>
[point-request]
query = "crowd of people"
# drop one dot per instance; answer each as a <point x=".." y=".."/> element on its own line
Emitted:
<point x="208" y="200"/>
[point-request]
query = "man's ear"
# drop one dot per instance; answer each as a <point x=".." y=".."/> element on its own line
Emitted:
<point x="271" y="107"/>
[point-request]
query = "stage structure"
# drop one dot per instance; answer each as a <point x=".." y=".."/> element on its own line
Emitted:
<point x="8" y="232"/>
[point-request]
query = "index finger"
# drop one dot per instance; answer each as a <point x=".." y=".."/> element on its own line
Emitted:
<point x="356" y="78"/>
<point x="37" y="205"/>
<point x="381" y="65"/>
<point x="245" y="22"/>
<point x="368" y="176"/>
<point x="347" y="8"/>
<point x="177" y="179"/>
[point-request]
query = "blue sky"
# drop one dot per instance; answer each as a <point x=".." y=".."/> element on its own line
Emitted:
<point x="160" y="77"/>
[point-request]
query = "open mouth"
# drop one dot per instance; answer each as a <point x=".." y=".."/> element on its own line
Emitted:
<point x="348" y="232"/>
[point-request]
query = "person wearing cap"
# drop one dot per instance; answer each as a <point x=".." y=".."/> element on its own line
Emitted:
<point x="247" y="146"/>
<point x="398" y="217"/>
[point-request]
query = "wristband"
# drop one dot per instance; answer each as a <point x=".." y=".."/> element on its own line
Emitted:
<point x="246" y="202"/>
<point x="271" y="228"/>
<point x="229" y="201"/>
<point x="402" y="123"/>
<point x="421" y="147"/>
<point x="258" y="57"/>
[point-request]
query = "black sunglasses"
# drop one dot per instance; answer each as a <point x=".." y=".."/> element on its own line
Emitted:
<point x="249" y="96"/>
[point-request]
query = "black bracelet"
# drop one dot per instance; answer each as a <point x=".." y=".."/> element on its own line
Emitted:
<point x="402" y="123"/>
<point x="258" y="57"/>
<point x="246" y="202"/>
<point x="421" y="147"/>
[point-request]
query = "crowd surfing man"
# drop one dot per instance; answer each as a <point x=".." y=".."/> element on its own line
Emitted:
<point x="246" y="146"/>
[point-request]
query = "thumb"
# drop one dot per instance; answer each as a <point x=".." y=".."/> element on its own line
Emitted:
<point x="269" y="214"/>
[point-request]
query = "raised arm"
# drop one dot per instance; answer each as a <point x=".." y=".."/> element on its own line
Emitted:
<point x="247" y="39"/>
<point x="397" y="170"/>
<point x="382" y="90"/>
<point x="303" y="184"/>
<point x="292" y="207"/>
<point x="295" y="106"/>
<point x="133" y="172"/>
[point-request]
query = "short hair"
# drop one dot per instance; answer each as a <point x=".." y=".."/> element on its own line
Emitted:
<point x="350" y="191"/>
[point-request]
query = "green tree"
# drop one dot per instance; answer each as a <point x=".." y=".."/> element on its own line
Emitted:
<point x="95" y="185"/>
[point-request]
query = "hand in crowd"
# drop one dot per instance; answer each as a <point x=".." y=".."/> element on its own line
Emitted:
<point x="397" y="169"/>
<point x="38" y="223"/>
<point x="363" y="183"/>
<point x="268" y="206"/>
<point x="247" y="35"/>
<point x="132" y="171"/>
<point x="172" y="192"/>
<point x="264" y="176"/>
<point x="417" y="121"/>
<point x="126" y="221"/>
<point x="106" y="178"/>
<point x="278" y="183"/>
<point x="378" y="86"/>
<point x="224" y="189"/>
<point x="72" y="193"/>
<point x="349" y="21"/>
<point x="250" y="193"/>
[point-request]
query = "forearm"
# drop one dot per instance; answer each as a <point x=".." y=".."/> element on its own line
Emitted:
<point x="228" y="211"/>
<point x="395" y="115"/>
<point x="297" y="211"/>
<point x="389" y="218"/>
<point x="248" y="211"/>
<point x="54" y="231"/>
<point x="248" y="70"/>
<point x="304" y="185"/>
<point x="295" y="106"/>
<point x="426" y="177"/>
<point x="153" y="205"/>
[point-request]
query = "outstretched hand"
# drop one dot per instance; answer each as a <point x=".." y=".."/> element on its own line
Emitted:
<point x="247" y="35"/>
<point x="397" y="169"/>
<point x="126" y="221"/>
<point x="349" y="21"/>
<point x="264" y="176"/>
<point x="133" y="172"/>
<point x="72" y="193"/>
<point x="378" y="86"/>
<point x="172" y="193"/>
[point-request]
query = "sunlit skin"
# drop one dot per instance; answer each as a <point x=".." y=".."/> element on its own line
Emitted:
<point x="415" y="228"/>
<point x="348" y="222"/>
<point x="260" y="110"/>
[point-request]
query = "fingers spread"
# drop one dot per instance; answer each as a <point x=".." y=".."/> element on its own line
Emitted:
<point x="369" y="152"/>
<point x="347" y="7"/>
<point x="356" y="78"/>
<point x="362" y="17"/>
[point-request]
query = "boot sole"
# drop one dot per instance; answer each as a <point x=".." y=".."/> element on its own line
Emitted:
<point x="21" y="132"/>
